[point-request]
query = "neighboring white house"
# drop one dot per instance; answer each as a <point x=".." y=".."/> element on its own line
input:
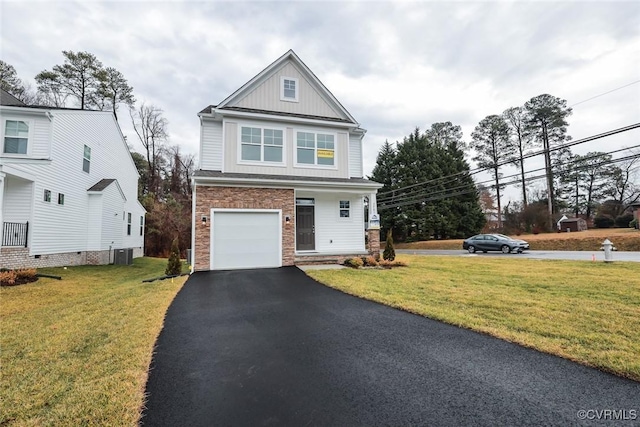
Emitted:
<point x="280" y="179"/>
<point x="68" y="187"/>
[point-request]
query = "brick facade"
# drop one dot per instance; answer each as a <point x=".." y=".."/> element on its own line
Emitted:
<point x="208" y="197"/>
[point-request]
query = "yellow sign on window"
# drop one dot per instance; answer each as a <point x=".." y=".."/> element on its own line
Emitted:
<point x="325" y="154"/>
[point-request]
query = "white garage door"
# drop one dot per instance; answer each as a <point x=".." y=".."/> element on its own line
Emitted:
<point x="245" y="239"/>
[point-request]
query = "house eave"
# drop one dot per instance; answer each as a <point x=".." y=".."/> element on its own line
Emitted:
<point x="285" y="119"/>
<point x="287" y="183"/>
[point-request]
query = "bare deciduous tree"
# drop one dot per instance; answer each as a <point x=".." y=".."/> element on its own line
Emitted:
<point x="151" y="128"/>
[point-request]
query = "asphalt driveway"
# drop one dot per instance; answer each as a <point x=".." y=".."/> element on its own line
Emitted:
<point x="273" y="347"/>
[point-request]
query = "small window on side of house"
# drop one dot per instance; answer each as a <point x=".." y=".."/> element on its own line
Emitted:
<point x="86" y="160"/>
<point x="345" y="209"/>
<point x="141" y="225"/>
<point x="47" y="195"/>
<point x="60" y="199"/>
<point x="129" y="224"/>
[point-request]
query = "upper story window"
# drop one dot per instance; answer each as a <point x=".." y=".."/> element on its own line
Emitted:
<point x="16" y="137"/>
<point x="86" y="161"/>
<point x="129" y="224"/>
<point x="261" y="145"/>
<point x="315" y="149"/>
<point x="289" y="89"/>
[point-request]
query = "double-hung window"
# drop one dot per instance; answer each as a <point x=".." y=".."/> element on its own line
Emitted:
<point x="16" y="137"/>
<point x="86" y="160"/>
<point x="129" y="224"/>
<point x="315" y="149"/>
<point x="261" y="145"/>
<point x="345" y="208"/>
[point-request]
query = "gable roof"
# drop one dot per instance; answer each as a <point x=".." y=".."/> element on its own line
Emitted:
<point x="7" y="99"/>
<point x="271" y="70"/>
<point x="102" y="185"/>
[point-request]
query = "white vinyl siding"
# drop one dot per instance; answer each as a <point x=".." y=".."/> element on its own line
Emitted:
<point x="355" y="156"/>
<point x="18" y="198"/>
<point x="55" y="228"/>
<point x="335" y="234"/>
<point x="268" y="96"/>
<point x="211" y="145"/>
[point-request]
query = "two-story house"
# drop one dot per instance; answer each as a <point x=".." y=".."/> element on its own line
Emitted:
<point x="68" y="187"/>
<point x="281" y="176"/>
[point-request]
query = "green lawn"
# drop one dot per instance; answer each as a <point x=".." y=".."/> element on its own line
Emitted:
<point x="583" y="311"/>
<point x="77" y="351"/>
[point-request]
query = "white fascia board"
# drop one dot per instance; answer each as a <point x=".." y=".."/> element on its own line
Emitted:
<point x="285" y="183"/>
<point x="25" y="110"/>
<point x="290" y="119"/>
<point x="23" y="160"/>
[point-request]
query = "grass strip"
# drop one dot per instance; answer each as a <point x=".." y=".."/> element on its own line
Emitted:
<point x="76" y="351"/>
<point x="583" y="311"/>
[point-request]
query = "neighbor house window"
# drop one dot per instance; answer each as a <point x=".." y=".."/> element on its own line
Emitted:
<point x="86" y="161"/>
<point x="344" y="208"/>
<point x="60" y="199"/>
<point x="16" y="137"/>
<point x="47" y="195"/>
<point x="141" y="225"/>
<point x="315" y="149"/>
<point x="261" y="145"/>
<point x="129" y="224"/>
<point x="289" y="89"/>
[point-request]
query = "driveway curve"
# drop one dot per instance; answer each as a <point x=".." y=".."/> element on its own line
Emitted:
<point x="274" y="347"/>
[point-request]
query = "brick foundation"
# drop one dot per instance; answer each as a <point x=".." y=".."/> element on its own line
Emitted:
<point x="208" y="197"/>
<point x="19" y="258"/>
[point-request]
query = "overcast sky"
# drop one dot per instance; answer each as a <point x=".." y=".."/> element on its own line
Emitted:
<point x="394" y="66"/>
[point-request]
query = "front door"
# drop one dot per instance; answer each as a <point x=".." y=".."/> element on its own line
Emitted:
<point x="305" y="228"/>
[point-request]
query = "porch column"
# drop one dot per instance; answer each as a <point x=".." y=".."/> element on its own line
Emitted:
<point x="373" y="233"/>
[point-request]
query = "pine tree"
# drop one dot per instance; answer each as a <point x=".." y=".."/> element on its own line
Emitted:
<point x="174" y="265"/>
<point x="389" y="253"/>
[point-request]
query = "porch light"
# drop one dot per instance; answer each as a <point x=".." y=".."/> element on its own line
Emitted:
<point x="204" y="221"/>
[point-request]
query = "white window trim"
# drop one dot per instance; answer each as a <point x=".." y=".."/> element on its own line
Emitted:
<point x="262" y="127"/>
<point x="342" y="218"/>
<point x="315" y="154"/>
<point x="282" y="97"/>
<point x="29" y="138"/>
<point x="84" y="158"/>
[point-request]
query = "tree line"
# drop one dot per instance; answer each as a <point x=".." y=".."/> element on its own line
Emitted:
<point x="164" y="187"/>
<point x="429" y="191"/>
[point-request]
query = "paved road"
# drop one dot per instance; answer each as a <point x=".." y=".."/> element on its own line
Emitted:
<point x="273" y="347"/>
<point x="568" y="255"/>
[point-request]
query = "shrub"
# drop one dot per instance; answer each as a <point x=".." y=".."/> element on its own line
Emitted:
<point x="8" y="278"/>
<point x="370" y="261"/>
<point x="623" y="221"/>
<point x="353" y="262"/>
<point x="174" y="265"/>
<point x="603" y="222"/>
<point x="535" y="230"/>
<point x="634" y="223"/>
<point x="389" y="253"/>
<point x="26" y="273"/>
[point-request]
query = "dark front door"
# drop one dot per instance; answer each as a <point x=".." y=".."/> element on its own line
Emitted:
<point x="305" y="228"/>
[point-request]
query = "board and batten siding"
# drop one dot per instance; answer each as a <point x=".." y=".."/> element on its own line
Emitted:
<point x="355" y="156"/>
<point x="63" y="228"/>
<point x="211" y="145"/>
<point x="231" y="156"/>
<point x="266" y="96"/>
<point x="335" y="234"/>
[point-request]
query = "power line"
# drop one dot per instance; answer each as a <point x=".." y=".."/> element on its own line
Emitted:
<point x="527" y="156"/>
<point x="605" y="93"/>
<point x="417" y="197"/>
<point x="460" y="193"/>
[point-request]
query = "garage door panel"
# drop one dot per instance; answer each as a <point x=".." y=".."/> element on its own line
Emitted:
<point x="245" y="240"/>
